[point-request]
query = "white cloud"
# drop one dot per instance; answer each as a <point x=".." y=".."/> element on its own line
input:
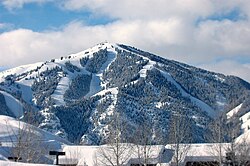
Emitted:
<point x="199" y="41"/>
<point x="4" y="26"/>
<point x="26" y="46"/>
<point x="158" y="9"/>
<point x="142" y="9"/>
<point x="230" y="67"/>
<point x="11" y="4"/>
<point x="229" y="37"/>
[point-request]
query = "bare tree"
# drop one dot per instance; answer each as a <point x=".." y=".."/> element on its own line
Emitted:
<point x="238" y="150"/>
<point x="117" y="151"/>
<point x="143" y="140"/>
<point x="217" y="136"/>
<point x="179" y="136"/>
<point x="232" y="129"/>
<point x="26" y="142"/>
<point x="227" y="148"/>
<point x="243" y="151"/>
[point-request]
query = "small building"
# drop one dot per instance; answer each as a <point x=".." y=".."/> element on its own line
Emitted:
<point x="68" y="162"/>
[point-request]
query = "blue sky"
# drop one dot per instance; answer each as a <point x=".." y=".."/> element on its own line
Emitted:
<point x="48" y="16"/>
<point x="204" y="33"/>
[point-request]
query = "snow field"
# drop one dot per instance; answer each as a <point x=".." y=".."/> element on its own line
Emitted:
<point x="234" y="111"/>
<point x="13" y="104"/>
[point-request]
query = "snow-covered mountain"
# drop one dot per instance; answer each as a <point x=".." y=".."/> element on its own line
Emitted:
<point x="76" y="96"/>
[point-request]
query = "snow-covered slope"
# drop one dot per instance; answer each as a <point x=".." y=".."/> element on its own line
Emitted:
<point x="12" y="130"/>
<point x="234" y="111"/>
<point x="78" y="95"/>
<point x="244" y="119"/>
<point x="211" y="112"/>
<point x="9" y="127"/>
<point x="14" y="105"/>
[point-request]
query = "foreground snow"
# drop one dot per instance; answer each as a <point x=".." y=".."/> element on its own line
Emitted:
<point x="9" y="163"/>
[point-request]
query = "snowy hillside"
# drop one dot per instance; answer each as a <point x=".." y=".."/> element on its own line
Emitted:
<point x="242" y="113"/>
<point x="12" y="130"/>
<point x="10" y="126"/>
<point x="13" y="104"/>
<point x="78" y="96"/>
